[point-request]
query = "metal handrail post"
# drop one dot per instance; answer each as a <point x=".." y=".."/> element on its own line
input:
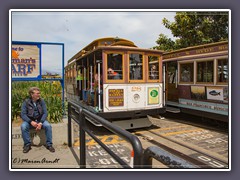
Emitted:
<point x="82" y="136"/>
<point x="138" y="152"/>
<point x="69" y="128"/>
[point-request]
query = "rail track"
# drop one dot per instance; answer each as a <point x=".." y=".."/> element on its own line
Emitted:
<point x="188" y="138"/>
<point x="201" y="158"/>
<point x="195" y="141"/>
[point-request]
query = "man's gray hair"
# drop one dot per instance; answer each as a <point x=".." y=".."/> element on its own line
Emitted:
<point x="31" y="89"/>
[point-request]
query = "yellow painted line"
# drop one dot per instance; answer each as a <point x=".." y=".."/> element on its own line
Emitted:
<point x="170" y="128"/>
<point x="162" y="129"/>
<point x="181" y="132"/>
<point x="113" y="139"/>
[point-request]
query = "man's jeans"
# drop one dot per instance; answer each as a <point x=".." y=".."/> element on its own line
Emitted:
<point x="25" y="127"/>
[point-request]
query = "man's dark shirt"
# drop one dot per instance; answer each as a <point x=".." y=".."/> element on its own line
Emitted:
<point x="31" y="112"/>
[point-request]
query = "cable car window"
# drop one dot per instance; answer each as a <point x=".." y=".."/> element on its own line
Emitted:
<point x="106" y="42"/>
<point x="205" y="71"/>
<point x="136" y="66"/>
<point x="222" y="70"/>
<point x="171" y="72"/>
<point x="186" y="72"/>
<point x="115" y="66"/>
<point x="153" y="67"/>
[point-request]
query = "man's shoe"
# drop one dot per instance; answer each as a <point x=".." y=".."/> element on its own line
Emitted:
<point x="26" y="148"/>
<point x="51" y="149"/>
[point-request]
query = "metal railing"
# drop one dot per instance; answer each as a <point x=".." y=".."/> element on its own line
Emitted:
<point x="142" y="157"/>
<point x="168" y="159"/>
<point x="80" y="115"/>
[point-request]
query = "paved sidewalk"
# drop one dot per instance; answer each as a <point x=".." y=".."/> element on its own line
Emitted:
<point x="40" y="157"/>
<point x="64" y="157"/>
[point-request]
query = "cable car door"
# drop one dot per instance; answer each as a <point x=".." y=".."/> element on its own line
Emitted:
<point x="171" y="82"/>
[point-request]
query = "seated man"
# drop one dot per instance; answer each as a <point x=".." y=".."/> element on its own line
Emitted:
<point x="112" y="74"/>
<point x="153" y="72"/>
<point x="34" y="114"/>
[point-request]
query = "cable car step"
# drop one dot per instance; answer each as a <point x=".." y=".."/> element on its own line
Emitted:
<point x="133" y="123"/>
<point x="173" y="109"/>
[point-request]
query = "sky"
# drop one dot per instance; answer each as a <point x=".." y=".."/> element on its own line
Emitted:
<point x="76" y="29"/>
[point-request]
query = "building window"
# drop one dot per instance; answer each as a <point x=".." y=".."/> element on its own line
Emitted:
<point x="153" y="67"/>
<point x="205" y="71"/>
<point x="186" y="72"/>
<point x="115" y="66"/>
<point x="135" y="66"/>
<point x="222" y="71"/>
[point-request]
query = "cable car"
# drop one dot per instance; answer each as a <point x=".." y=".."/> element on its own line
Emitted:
<point x="197" y="80"/>
<point x="117" y="80"/>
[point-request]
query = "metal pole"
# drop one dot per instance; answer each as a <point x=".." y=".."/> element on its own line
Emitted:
<point x="80" y="84"/>
<point x="82" y="139"/>
<point x="138" y="152"/>
<point x="99" y="88"/>
<point x="176" y="79"/>
<point x="164" y="85"/>
<point x="69" y="127"/>
<point x="91" y="73"/>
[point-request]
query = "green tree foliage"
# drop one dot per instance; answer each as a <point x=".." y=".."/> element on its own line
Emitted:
<point x="194" y="28"/>
<point x="51" y="92"/>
